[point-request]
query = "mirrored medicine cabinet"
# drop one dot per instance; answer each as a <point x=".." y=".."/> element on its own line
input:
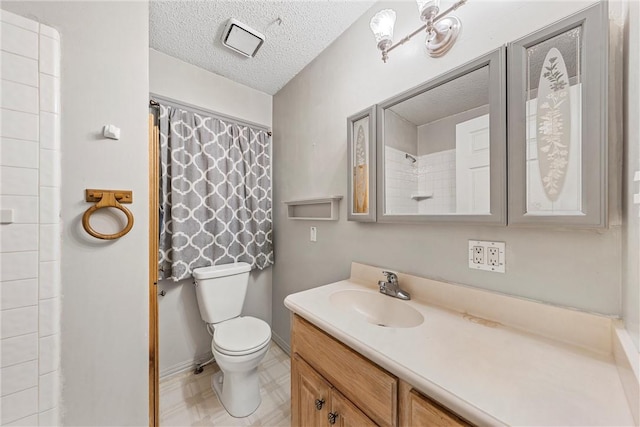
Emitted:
<point x="439" y="150"/>
<point x="442" y="147"/>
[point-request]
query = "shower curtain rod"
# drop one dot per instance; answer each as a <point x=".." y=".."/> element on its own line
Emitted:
<point x="153" y="102"/>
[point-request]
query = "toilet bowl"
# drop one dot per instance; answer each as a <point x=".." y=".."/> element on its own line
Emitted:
<point x="238" y="346"/>
<point x="239" y="343"/>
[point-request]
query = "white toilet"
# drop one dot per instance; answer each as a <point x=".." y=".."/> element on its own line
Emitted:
<point x="239" y="343"/>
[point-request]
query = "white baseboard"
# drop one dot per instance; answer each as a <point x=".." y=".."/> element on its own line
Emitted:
<point x="184" y="366"/>
<point x="628" y="361"/>
<point x="281" y="343"/>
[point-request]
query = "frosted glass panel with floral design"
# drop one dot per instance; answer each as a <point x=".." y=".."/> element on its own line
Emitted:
<point x="554" y="125"/>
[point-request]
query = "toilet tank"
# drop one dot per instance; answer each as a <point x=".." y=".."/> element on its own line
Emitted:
<point x="220" y="290"/>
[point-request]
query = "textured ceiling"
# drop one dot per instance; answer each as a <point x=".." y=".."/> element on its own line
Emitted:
<point x="458" y="95"/>
<point x="191" y="31"/>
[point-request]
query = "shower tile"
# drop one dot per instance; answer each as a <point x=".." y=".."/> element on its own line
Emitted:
<point x="49" y="244"/>
<point x="17" y="153"/>
<point x="49" y="418"/>
<point x="49" y="131"/>
<point x="19" y="97"/>
<point x="25" y="208"/>
<point x="18" y="265"/>
<point x="19" y="349"/>
<point x="49" y="354"/>
<point x="49" y="279"/>
<point x="19" y="238"/>
<point x="19" y="293"/>
<point x="49" y="202"/>
<point x="47" y="31"/>
<point x="49" y="322"/>
<point x="19" y="405"/>
<point x="49" y="168"/>
<point x="17" y="20"/>
<point x="19" y="69"/>
<point x="49" y="93"/>
<point x="19" y="377"/>
<point x="29" y="421"/>
<point x="48" y="391"/>
<point x="19" y="321"/>
<point x="18" y="40"/>
<point x="49" y="56"/>
<point x="19" y="125"/>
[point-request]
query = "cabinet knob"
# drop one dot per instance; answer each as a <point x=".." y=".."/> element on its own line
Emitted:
<point x="319" y="404"/>
<point x="332" y="417"/>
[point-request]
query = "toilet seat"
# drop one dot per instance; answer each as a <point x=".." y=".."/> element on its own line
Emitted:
<point x="241" y="335"/>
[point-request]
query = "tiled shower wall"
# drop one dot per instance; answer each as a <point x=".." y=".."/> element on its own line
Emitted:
<point x="30" y="241"/>
<point x="401" y="182"/>
<point x="437" y="179"/>
<point x="432" y="176"/>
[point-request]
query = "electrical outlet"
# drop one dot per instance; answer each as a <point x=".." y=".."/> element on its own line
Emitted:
<point x="478" y="254"/>
<point x="313" y="234"/>
<point x="493" y="257"/>
<point x="488" y="256"/>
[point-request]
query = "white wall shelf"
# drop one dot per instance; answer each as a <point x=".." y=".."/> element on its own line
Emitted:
<point x="314" y="209"/>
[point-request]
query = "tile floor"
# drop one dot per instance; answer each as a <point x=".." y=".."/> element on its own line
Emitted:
<point x="188" y="400"/>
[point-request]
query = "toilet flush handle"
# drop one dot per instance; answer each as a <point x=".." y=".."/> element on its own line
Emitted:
<point x="162" y="293"/>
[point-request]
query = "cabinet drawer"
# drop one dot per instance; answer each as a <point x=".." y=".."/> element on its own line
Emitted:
<point x="369" y="387"/>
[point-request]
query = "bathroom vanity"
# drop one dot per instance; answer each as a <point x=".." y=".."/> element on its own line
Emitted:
<point x="330" y="382"/>
<point x="451" y="356"/>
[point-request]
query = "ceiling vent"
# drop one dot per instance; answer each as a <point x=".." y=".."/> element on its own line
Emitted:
<point x="242" y="38"/>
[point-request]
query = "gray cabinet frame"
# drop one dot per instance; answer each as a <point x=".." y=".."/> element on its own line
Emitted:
<point x="594" y="66"/>
<point x="371" y="216"/>
<point x="496" y="60"/>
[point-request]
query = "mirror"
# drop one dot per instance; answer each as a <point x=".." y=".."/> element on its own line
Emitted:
<point x="442" y="147"/>
<point x="558" y="123"/>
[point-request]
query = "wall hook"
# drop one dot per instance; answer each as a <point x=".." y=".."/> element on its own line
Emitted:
<point x="108" y="199"/>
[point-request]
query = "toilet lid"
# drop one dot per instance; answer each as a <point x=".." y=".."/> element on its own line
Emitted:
<point x="241" y="335"/>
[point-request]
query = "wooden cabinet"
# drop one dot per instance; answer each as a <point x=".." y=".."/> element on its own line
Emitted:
<point x="419" y="410"/>
<point x="314" y="402"/>
<point x="310" y="395"/>
<point x="332" y="384"/>
<point x="346" y="414"/>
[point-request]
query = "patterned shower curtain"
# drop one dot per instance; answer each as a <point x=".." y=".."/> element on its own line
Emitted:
<point x="215" y="193"/>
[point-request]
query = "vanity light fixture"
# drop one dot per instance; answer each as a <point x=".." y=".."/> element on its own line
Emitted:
<point x="442" y="30"/>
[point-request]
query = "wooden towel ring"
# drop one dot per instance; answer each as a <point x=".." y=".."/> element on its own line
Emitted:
<point x="108" y="199"/>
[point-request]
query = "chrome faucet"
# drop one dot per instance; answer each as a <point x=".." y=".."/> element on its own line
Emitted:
<point x="391" y="286"/>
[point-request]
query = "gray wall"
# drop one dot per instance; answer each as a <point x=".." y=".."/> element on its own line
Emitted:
<point x="184" y="339"/>
<point x="580" y="269"/>
<point x="631" y="229"/>
<point x="105" y="318"/>
<point x="400" y="133"/>
<point x="441" y="134"/>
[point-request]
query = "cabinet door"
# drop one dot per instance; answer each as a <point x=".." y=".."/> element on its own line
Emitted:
<point x="346" y="414"/>
<point x="558" y="140"/>
<point x="423" y="412"/>
<point x="310" y="395"/>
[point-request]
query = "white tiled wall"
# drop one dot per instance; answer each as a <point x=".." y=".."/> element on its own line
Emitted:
<point x="432" y="178"/>
<point x="437" y="178"/>
<point x="401" y="176"/>
<point x="30" y="246"/>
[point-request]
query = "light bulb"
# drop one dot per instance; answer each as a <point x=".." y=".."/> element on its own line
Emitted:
<point x="382" y="26"/>
<point x="428" y="9"/>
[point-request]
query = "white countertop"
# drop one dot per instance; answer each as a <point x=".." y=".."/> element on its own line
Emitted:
<point x="491" y="375"/>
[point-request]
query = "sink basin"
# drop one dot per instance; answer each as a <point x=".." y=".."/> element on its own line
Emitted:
<point x="381" y="310"/>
